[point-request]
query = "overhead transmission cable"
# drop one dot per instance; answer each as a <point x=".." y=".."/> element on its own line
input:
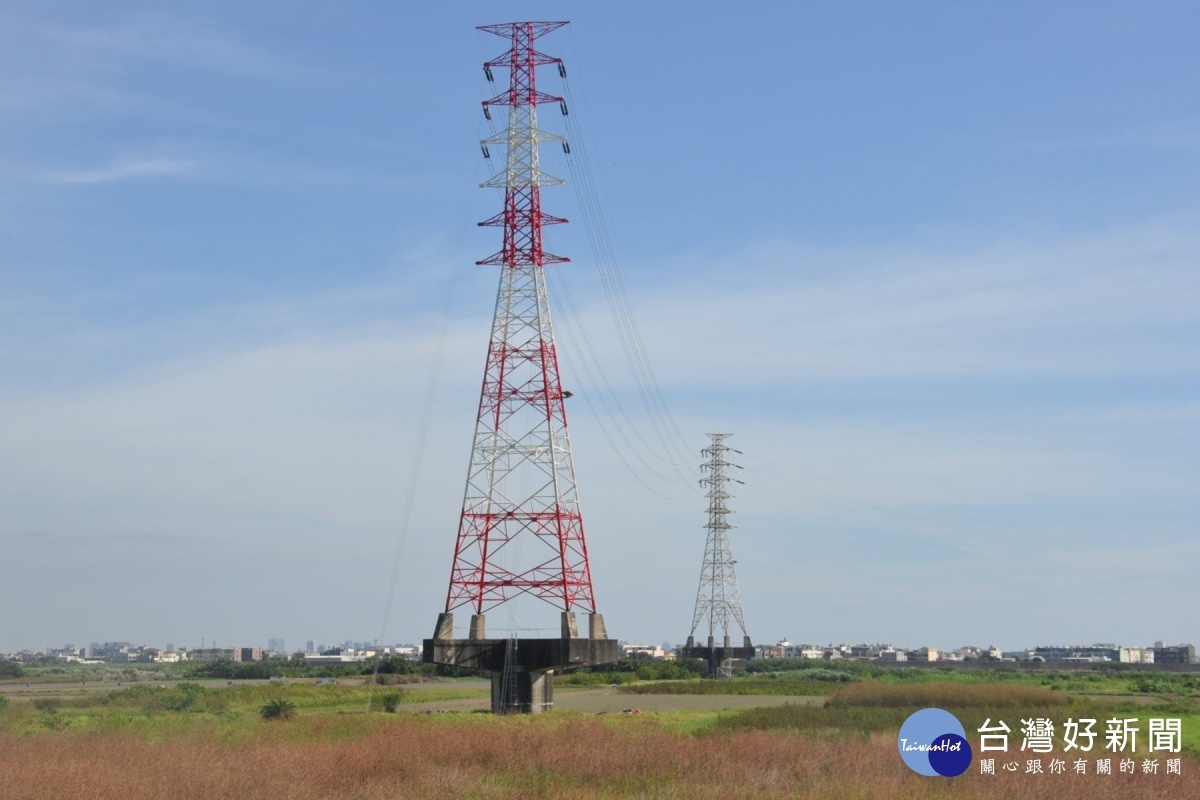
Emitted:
<point x="675" y="451"/>
<point x="602" y="390"/>
<point x="672" y="447"/>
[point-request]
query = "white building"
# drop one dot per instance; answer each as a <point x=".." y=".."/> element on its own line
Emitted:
<point x="652" y="650"/>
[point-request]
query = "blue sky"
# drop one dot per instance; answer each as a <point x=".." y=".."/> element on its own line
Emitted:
<point x="934" y="266"/>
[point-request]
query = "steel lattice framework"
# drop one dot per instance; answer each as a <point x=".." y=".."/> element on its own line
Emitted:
<point x="717" y="598"/>
<point x="521" y="531"/>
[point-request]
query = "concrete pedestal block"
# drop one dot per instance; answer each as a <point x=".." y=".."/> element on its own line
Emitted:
<point x="522" y="669"/>
<point x="718" y="657"/>
<point x="523" y="693"/>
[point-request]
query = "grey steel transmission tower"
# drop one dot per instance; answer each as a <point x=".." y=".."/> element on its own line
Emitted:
<point x="717" y="598"/>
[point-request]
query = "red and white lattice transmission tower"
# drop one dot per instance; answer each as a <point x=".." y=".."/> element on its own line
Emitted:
<point x="521" y="531"/>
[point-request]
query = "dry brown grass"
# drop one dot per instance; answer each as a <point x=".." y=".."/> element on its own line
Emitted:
<point x="483" y="757"/>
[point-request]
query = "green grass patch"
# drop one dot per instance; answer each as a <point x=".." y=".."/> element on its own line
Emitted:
<point x="594" y="679"/>
<point x="216" y="712"/>
<point x="802" y="688"/>
<point x="845" y="721"/>
<point x="944" y="694"/>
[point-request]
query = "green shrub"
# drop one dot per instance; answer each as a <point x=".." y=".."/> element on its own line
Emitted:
<point x="397" y="665"/>
<point x="595" y="679"/>
<point x="178" y="701"/>
<point x="278" y="709"/>
<point x="55" y="723"/>
<point x="741" y="686"/>
<point x="44" y="704"/>
<point x="183" y="697"/>
<point x="391" y="701"/>
<point x="131" y="694"/>
<point x="807" y="664"/>
<point x="815" y="674"/>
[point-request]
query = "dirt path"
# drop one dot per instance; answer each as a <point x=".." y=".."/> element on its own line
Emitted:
<point x="608" y="701"/>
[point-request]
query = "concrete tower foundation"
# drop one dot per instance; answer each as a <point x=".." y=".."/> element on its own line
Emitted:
<point x="522" y="669"/>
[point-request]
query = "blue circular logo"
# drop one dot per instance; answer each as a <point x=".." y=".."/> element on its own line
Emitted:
<point x="933" y="742"/>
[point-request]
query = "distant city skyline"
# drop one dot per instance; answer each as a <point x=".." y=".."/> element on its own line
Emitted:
<point x="766" y="649"/>
<point x="933" y="266"/>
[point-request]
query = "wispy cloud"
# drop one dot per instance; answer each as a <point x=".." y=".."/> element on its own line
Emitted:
<point x="125" y="169"/>
<point x="1121" y="302"/>
<point x="168" y="39"/>
<point x="187" y="161"/>
<point x="56" y="72"/>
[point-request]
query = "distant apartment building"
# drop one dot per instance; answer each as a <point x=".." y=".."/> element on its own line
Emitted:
<point x="651" y="650"/>
<point x="224" y="654"/>
<point x="772" y="651"/>
<point x="1136" y="655"/>
<point x="121" y="653"/>
<point x="1092" y="654"/>
<point x="410" y="651"/>
<point x="1078" y="654"/>
<point x="339" y="655"/>
<point x="973" y="653"/>
<point x="110" y="651"/>
<point x="67" y="653"/>
<point x="785" y="649"/>
<point x="828" y="652"/>
<point x="1174" y="654"/>
<point x="923" y="654"/>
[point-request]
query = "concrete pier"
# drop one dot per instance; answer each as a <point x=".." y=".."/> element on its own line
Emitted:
<point x="720" y="657"/>
<point x="522" y="669"/>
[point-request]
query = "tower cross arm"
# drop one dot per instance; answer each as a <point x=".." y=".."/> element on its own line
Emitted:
<point x="540" y="136"/>
<point x="510" y="59"/>
<point x="516" y="96"/>
<point x="502" y="219"/>
<point x="536" y="29"/>
<point x="502" y="259"/>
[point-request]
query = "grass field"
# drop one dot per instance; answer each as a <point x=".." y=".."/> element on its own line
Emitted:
<point x="193" y="740"/>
